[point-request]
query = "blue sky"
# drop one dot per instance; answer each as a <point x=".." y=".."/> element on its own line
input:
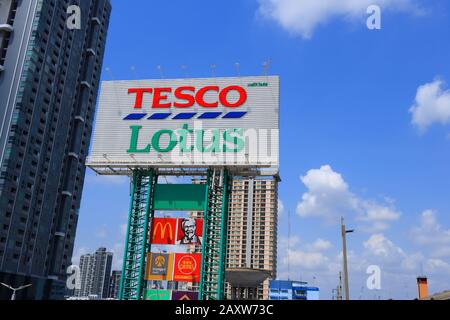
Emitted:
<point x="349" y="142"/>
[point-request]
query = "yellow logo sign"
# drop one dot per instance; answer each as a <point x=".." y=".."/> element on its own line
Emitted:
<point x="160" y="261"/>
<point x="162" y="230"/>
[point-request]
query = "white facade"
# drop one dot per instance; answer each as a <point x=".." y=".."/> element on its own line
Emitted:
<point x="242" y="133"/>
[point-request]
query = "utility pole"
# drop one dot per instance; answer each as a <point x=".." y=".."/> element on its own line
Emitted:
<point x="344" y="232"/>
<point x="340" y="286"/>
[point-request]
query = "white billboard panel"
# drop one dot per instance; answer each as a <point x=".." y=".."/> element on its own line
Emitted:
<point x="187" y="123"/>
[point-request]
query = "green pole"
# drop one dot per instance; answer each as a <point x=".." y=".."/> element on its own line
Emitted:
<point x="223" y="238"/>
<point x="205" y="236"/>
<point x="148" y="209"/>
<point x="122" y="278"/>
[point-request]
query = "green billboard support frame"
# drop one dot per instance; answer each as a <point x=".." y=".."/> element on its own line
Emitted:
<point x="148" y="196"/>
<point x="215" y="225"/>
<point x="136" y="241"/>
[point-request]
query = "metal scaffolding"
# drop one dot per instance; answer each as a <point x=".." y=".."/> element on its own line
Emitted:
<point x="136" y="242"/>
<point x="212" y="277"/>
<point x="137" y="245"/>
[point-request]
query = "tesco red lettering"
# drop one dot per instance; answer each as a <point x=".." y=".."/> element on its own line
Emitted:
<point x="241" y="100"/>
<point x="158" y="97"/>
<point x="201" y="95"/>
<point x="139" y="95"/>
<point x="187" y="96"/>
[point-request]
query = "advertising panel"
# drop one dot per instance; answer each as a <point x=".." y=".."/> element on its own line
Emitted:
<point x="187" y="123"/>
<point x="187" y="267"/>
<point x="159" y="266"/>
<point x="163" y="231"/>
<point x="189" y="231"/>
<point x="156" y="294"/>
<point x="184" y="295"/>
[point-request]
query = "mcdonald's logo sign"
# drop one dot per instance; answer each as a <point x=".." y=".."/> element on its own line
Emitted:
<point x="163" y="231"/>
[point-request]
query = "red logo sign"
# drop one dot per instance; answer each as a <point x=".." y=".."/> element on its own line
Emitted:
<point x="190" y="231"/>
<point x="187" y="96"/>
<point x="187" y="267"/>
<point x="163" y="231"/>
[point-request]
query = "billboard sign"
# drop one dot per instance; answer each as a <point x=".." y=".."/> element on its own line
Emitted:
<point x="189" y="231"/>
<point x="169" y="231"/>
<point x="163" y="231"/>
<point x="156" y="294"/>
<point x="159" y="266"/>
<point x="187" y="123"/>
<point x="187" y="267"/>
<point x="184" y="295"/>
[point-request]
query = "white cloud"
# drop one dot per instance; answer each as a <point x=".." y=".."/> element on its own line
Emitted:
<point x="392" y="259"/>
<point x="310" y="257"/>
<point x="302" y="17"/>
<point x="377" y="215"/>
<point x="431" y="232"/>
<point x="319" y="245"/>
<point x="307" y="260"/>
<point x="328" y="197"/>
<point x="76" y="256"/>
<point x="399" y="267"/>
<point x="438" y="265"/>
<point x="432" y="105"/>
<point x="379" y="245"/>
<point x="413" y="262"/>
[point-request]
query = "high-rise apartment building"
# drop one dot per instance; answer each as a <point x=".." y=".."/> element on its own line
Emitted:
<point x="49" y="77"/>
<point x="114" y="284"/>
<point x="95" y="274"/>
<point x="252" y="229"/>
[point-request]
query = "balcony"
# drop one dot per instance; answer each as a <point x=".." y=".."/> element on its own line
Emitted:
<point x="91" y="52"/>
<point x="73" y="155"/>
<point x="96" y="20"/>
<point x="6" y="27"/>
<point x="85" y="84"/>
<point x="66" y="193"/>
<point x="79" y="118"/>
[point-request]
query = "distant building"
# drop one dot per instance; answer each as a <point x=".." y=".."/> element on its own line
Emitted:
<point x="114" y="284"/>
<point x="292" y="290"/>
<point x="95" y="273"/>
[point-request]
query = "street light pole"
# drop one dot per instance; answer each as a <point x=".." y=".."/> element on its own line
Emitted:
<point x="14" y="290"/>
<point x="344" y="253"/>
